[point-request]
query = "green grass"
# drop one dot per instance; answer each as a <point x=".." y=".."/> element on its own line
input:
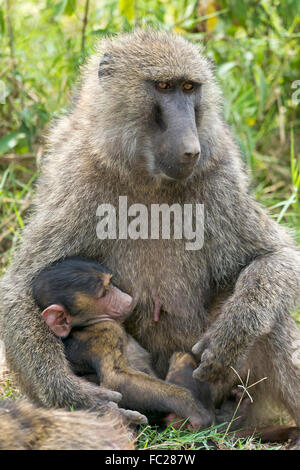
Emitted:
<point x="209" y="439"/>
<point x="8" y="390"/>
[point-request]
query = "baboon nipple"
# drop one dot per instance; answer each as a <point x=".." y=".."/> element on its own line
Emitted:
<point x="157" y="309"/>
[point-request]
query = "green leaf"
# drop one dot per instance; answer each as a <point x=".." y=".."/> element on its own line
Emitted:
<point x="70" y="7"/>
<point x="127" y="9"/>
<point x="9" y="141"/>
<point x="59" y="9"/>
<point x="2" y="22"/>
<point x="262" y="86"/>
<point x="239" y="11"/>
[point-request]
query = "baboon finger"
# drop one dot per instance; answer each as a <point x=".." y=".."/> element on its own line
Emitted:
<point x="207" y="355"/>
<point x="133" y="417"/>
<point x="200" y="347"/>
<point x="200" y="373"/>
<point x="110" y="395"/>
<point x="129" y="416"/>
<point x="101" y="394"/>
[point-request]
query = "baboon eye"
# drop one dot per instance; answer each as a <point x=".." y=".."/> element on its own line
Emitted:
<point x="164" y="85"/>
<point x="188" y="86"/>
<point x="103" y="292"/>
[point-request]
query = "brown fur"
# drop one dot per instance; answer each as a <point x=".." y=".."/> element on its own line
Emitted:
<point x="272" y="434"/>
<point x="26" y="427"/>
<point x="103" y="348"/>
<point x="101" y="150"/>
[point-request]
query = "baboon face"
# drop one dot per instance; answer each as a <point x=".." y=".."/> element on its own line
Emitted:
<point x="172" y="127"/>
<point x="154" y="85"/>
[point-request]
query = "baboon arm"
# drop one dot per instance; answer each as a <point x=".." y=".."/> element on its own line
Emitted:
<point x="145" y="393"/>
<point x="103" y="347"/>
<point x="32" y="350"/>
<point x="38" y="359"/>
<point x="266" y="289"/>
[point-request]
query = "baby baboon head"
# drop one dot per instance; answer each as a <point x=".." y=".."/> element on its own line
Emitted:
<point x="151" y="96"/>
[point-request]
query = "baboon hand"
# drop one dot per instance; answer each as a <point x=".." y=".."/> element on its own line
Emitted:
<point x="213" y="366"/>
<point x="201" y="420"/>
<point x="196" y="421"/>
<point x="133" y="417"/>
<point x="109" y="395"/>
<point x="99" y="395"/>
<point x="128" y="416"/>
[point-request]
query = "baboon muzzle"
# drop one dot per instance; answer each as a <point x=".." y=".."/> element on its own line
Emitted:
<point x="179" y="148"/>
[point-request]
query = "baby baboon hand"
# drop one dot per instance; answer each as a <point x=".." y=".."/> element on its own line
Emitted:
<point x="200" y="419"/>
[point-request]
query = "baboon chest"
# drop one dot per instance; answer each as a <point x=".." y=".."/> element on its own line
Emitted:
<point x="169" y="284"/>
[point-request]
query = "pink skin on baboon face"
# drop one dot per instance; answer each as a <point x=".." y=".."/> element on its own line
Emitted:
<point x="115" y="304"/>
<point x="110" y="304"/>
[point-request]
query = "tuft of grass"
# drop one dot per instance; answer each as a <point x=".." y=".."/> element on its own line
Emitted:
<point x="16" y="191"/>
<point x="8" y="389"/>
<point x="150" y="438"/>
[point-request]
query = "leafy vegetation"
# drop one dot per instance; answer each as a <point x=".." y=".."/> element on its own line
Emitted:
<point x="254" y="45"/>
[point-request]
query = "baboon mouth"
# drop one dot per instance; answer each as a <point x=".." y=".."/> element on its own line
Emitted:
<point x="177" y="174"/>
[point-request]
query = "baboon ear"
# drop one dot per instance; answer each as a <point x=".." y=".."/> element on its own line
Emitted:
<point x="58" y="320"/>
<point x="105" y="66"/>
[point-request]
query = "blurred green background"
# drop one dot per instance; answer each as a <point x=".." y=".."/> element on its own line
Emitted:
<point x="255" y="46"/>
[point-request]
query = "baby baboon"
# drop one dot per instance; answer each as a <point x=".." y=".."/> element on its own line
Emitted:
<point x="26" y="427"/>
<point x="182" y="366"/>
<point x="79" y="303"/>
<point x="147" y="124"/>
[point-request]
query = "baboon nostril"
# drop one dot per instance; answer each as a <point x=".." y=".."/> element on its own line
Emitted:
<point x="193" y="155"/>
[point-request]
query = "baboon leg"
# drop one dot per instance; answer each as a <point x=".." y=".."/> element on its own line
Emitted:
<point x="145" y="393"/>
<point x="273" y="362"/>
<point x="182" y="365"/>
<point x="277" y="357"/>
<point x="180" y="372"/>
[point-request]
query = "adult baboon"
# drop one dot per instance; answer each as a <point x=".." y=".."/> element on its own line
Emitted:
<point x="147" y="103"/>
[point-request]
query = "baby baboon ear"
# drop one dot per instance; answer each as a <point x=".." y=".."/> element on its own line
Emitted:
<point x="58" y="320"/>
<point x="105" y="66"/>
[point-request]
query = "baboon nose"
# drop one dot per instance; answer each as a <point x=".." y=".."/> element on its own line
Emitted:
<point x="130" y="302"/>
<point x="191" y="151"/>
<point x="192" y="155"/>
